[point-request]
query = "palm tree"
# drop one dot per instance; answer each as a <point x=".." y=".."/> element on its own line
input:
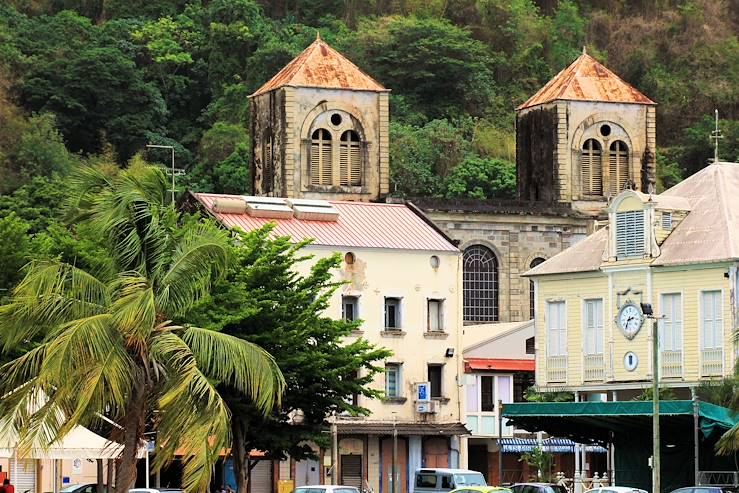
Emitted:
<point x="108" y="344"/>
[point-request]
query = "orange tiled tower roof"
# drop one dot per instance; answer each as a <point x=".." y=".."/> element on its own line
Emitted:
<point x="319" y="65"/>
<point x="587" y="80"/>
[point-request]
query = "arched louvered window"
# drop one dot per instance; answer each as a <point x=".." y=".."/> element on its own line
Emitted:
<point x="480" y="284"/>
<point x="618" y="162"/>
<point x="591" y="168"/>
<point x="321" y="166"/>
<point x="532" y="301"/>
<point x="350" y="159"/>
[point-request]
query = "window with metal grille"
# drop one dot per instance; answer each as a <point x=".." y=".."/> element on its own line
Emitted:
<point x="630" y="234"/>
<point x="480" y="284"/>
<point x="591" y="168"/>
<point x="556" y="324"/>
<point x="434" y="375"/>
<point x="392" y="380"/>
<point x="321" y="166"/>
<point x="349" y="306"/>
<point x="435" y="312"/>
<point x="712" y="320"/>
<point x="618" y="163"/>
<point x="392" y="313"/>
<point x="593" y="326"/>
<point x="671" y="323"/>
<point x="666" y="220"/>
<point x="350" y="159"/>
<point x="532" y="300"/>
<point x="487" y="393"/>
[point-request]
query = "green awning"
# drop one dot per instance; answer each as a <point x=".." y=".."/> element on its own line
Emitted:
<point x="591" y="422"/>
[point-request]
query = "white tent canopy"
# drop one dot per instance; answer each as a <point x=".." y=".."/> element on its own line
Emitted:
<point x="80" y="443"/>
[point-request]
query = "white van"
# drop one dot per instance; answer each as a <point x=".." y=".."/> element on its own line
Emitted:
<point x="438" y="480"/>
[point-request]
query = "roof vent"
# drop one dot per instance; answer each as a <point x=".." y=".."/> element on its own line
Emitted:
<point x="314" y="210"/>
<point x="268" y="207"/>
<point x="229" y="205"/>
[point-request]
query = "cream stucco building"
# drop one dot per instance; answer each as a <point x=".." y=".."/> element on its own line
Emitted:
<point x="402" y="279"/>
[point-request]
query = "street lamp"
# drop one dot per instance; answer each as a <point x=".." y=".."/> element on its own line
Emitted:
<point x="156" y="146"/>
<point x="648" y="312"/>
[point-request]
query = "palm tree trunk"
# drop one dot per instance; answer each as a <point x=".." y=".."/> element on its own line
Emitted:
<point x="240" y="455"/>
<point x="133" y="423"/>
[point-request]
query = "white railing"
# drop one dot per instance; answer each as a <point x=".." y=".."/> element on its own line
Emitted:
<point x="556" y="369"/>
<point x="593" y="367"/>
<point x="712" y="362"/>
<point x="672" y="364"/>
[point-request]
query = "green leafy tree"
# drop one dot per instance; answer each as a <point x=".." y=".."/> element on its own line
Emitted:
<point x="541" y="461"/>
<point x="264" y="300"/>
<point x="480" y="178"/>
<point x="109" y="345"/>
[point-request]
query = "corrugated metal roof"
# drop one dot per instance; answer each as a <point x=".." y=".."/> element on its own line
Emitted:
<point x="319" y="65"/>
<point x="587" y="80"/>
<point x="360" y="225"/>
<point x="366" y="427"/>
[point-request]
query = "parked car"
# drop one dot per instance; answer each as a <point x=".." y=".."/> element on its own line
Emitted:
<point x="481" y="489"/>
<point x="615" y="489"/>
<point x="538" y="488"/>
<point x="81" y="488"/>
<point x="156" y="490"/>
<point x="326" y="488"/>
<point x="706" y="489"/>
<point x="436" y="480"/>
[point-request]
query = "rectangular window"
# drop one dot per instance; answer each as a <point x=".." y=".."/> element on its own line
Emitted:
<point x="392" y="380"/>
<point x="487" y="393"/>
<point x="630" y="234"/>
<point x="434" y="373"/>
<point x="667" y="221"/>
<point x="349" y="305"/>
<point x="530" y="345"/>
<point x="712" y="327"/>
<point x="392" y="313"/>
<point x="671" y="335"/>
<point x="556" y="329"/>
<point x="435" y="321"/>
<point x="593" y="326"/>
<point x="521" y="383"/>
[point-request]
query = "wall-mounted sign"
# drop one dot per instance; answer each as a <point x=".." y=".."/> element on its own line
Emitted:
<point x="77" y="466"/>
<point x="423" y="391"/>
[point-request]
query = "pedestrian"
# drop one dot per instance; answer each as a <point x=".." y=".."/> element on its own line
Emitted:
<point x="229" y="489"/>
<point x="7" y="487"/>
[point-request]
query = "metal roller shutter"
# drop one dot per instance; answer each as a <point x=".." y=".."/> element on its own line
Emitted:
<point x="351" y="470"/>
<point x="23" y="475"/>
<point x="261" y="477"/>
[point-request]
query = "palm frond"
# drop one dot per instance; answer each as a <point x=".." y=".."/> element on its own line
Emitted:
<point x="199" y="256"/>
<point x="238" y="363"/>
<point x="134" y="310"/>
<point x="729" y="441"/>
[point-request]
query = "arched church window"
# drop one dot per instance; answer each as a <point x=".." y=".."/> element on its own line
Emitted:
<point x="480" y="284"/>
<point x="591" y="168"/>
<point x="321" y="157"/>
<point x="532" y="301"/>
<point x="350" y="159"/>
<point x="618" y="162"/>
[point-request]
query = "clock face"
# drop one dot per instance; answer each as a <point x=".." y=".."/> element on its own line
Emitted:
<point x="630" y="319"/>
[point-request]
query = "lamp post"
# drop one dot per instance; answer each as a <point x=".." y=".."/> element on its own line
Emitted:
<point x="156" y="146"/>
<point x="648" y="312"/>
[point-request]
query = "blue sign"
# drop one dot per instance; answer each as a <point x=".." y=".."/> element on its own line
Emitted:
<point x="423" y="391"/>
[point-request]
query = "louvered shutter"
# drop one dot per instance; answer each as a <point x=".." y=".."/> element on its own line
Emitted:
<point x="618" y="160"/>
<point x="315" y="152"/>
<point x="327" y="171"/>
<point x="344" y="163"/>
<point x="591" y="169"/>
<point x="630" y="234"/>
<point x="268" y="167"/>
<point x="355" y="166"/>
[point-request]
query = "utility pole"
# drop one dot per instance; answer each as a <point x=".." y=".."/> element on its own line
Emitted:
<point x="648" y="312"/>
<point x="334" y="451"/>
<point x="174" y="172"/>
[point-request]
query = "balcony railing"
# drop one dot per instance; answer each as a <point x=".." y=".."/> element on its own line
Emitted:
<point x="672" y="364"/>
<point x="593" y="367"/>
<point x="712" y="362"/>
<point x="556" y="369"/>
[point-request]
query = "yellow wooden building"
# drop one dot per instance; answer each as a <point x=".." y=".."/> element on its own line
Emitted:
<point x="677" y="251"/>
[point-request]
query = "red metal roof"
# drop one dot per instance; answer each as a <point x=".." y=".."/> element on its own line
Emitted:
<point x="472" y="364"/>
<point x="360" y="224"/>
<point x="319" y="65"/>
<point x="587" y="80"/>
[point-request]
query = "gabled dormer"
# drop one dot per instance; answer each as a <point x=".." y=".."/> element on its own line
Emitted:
<point x="639" y="223"/>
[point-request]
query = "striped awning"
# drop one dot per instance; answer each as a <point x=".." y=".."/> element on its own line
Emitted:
<point x="551" y="445"/>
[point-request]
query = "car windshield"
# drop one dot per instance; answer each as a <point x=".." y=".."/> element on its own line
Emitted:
<point x="310" y="490"/>
<point x="556" y="488"/>
<point x="469" y="479"/>
<point x="345" y="490"/>
<point x="71" y="487"/>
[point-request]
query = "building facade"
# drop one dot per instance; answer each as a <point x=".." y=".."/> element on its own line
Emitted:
<point x="675" y="251"/>
<point x="402" y="279"/>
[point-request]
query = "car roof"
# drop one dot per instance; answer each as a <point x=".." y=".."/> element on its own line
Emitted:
<point x="325" y="486"/>
<point x="622" y="489"/>
<point x="431" y="470"/>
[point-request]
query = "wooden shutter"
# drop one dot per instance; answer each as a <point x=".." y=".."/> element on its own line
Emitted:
<point x="630" y="234"/>
<point x="321" y="158"/>
<point x="315" y="153"/>
<point x="355" y="164"/>
<point x="618" y="162"/>
<point x="591" y="168"/>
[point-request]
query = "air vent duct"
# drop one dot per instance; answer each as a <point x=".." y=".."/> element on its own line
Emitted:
<point x="314" y="210"/>
<point x="229" y="205"/>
